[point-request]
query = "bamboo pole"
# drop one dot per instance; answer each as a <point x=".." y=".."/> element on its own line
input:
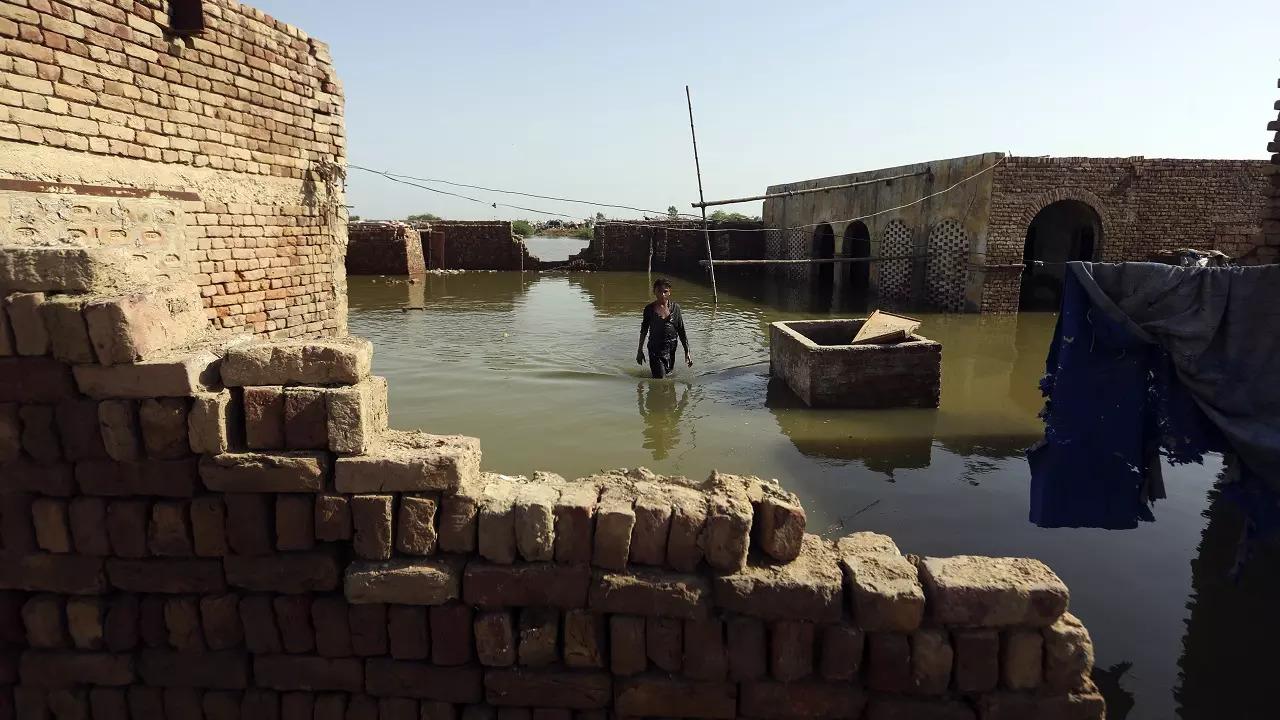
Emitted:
<point x="697" y="164"/>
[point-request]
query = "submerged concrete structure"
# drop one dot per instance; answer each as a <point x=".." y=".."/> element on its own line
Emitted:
<point x="965" y="234"/>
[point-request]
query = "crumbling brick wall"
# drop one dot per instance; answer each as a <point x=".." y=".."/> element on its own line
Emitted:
<point x="218" y="156"/>
<point x="384" y="249"/>
<point x="227" y="529"/>
<point x="1146" y="206"/>
<point x="483" y="245"/>
<point x="678" y="247"/>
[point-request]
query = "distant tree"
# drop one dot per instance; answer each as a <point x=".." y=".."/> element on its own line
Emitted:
<point x="599" y="216"/>
<point x="354" y="218"/>
<point x="731" y="216"/>
<point x="523" y="228"/>
<point x="673" y="213"/>
<point x="423" y="218"/>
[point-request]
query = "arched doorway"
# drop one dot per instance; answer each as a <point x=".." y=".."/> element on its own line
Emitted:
<point x="1063" y="231"/>
<point x="824" y="247"/>
<point x="857" y="244"/>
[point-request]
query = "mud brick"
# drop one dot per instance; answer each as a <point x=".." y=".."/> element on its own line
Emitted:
<point x="727" y="531"/>
<point x="535" y="521"/>
<point x="297" y="706"/>
<point x="657" y="696"/>
<point x="404" y="461"/>
<point x="1068" y="654"/>
<point x="260" y="705"/>
<point x="459" y="519"/>
<point x="127" y="527"/>
<point x="397" y="709"/>
<point x="651" y="593"/>
<point x="330" y="706"/>
<point x="552" y="714"/>
<point x="1021" y="660"/>
<point x="331" y="617"/>
<point x="108" y="704"/>
<point x="705" y="652"/>
<point x="70" y="704"/>
<point x="258" y="616"/>
<point x="40" y="433"/>
<point x="10" y="432"/>
<point x="220" y="618"/>
<point x="78" y="427"/>
<point x="432" y="710"/>
<point x="68" y="334"/>
<point x="53" y="531"/>
<point x="306" y="421"/>
<point x="338" y="361"/>
<point x="615" y="520"/>
<point x="1012" y="706"/>
<point x="333" y="518"/>
<point x="89" y="525"/>
<point x="151" y="625"/>
<point x="495" y="639"/>
<point x="791" y="650"/>
<point x="84" y="622"/>
<point x="248" y="523"/>
<point x="121" y="432"/>
<point x="407" y="582"/>
<point x="17" y="531"/>
<point x="209" y="526"/>
<point x="514" y="713"/>
<point x="309" y="673"/>
<point x="747" y="649"/>
<point x="214" y="422"/>
<point x="813" y="700"/>
<point x="780" y="520"/>
<point x="286" y="573"/>
<point x="27" y="476"/>
<point x="120" y="629"/>
<point x="971" y="591"/>
<point x="451" y="642"/>
<point x="183" y="704"/>
<point x="523" y="687"/>
<point x="497" y="522"/>
<point x="169" y="534"/>
<point x="69" y="574"/>
<point x="885" y="592"/>
<point x="539" y="635"/>
<point x="541" y="584"/>
<point x="35" y="380"/>
<point x="888" y="662"/>
<point x="416" y="526"/>
<point x="43" y="617"/>
<point x="931" y="662"/>
<point x="688" y="518"/>
<point x="664" y="643"/>
<point x="164" y="428"/>
<point x="295" y="522"/>
<point x="393" y="678"/>
<point x="12" y="632"/>
<point x="977" y="660"/>
<point x="575" y="522"/>
<point x="221" y="705"/>
<point x="166" y="478"/>
<point x="371" y="518"/>
<point x="27" y="323"/>
<point x="145" y="702"/>
<point x="362" y="707"/>
<point x="407" y="627"/>
<point x="809" y="588"/>
<point x="66" y="668"/>
<point x="368" y="629"/>
<point x="626" y="644"/>
<point x="293" y="617"/>
<point x="264" y="418"/>
<point x="356" y="415"/>
<point x="584" y="639"/>
<point x="166" y="576"/>
<point x="283" y="472"/>
<point x="653" y="525"/>
<point x="892" y="708"/>
<point x="842" y="647"/>
<point x="30" y="703"/>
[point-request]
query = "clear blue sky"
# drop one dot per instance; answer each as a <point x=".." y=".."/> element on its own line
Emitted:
<point x="586" y="99"/>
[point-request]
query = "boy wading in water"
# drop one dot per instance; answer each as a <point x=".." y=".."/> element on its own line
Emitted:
<point x="664" y="325"/>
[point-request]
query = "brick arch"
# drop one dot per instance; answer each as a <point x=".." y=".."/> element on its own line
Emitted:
<point x="1039" y="202"/>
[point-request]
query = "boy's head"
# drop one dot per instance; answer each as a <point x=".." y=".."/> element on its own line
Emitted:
<point x="662" y="288"/>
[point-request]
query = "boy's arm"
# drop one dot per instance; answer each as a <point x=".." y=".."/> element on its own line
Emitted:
<point x="644" y="330"/>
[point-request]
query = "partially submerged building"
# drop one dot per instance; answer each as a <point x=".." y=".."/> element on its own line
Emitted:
<point x="989" y="233"/>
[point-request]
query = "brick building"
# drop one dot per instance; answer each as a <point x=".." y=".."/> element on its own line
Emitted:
<point x="970" y="245"/>
<point x="204" y="147"/>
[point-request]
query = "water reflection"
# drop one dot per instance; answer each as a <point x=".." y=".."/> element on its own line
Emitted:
<point x="661" y="406"/>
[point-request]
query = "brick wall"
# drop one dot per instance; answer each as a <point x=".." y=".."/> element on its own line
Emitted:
<point x="232" y="138"/>
<point x="678" y="247"/>
<point x="1270" y="250"/>
<point x="384" y="249"/>
<point x="230" y="531"/>
<point x="486" y="245"/>
<point x="1146" y="206"/>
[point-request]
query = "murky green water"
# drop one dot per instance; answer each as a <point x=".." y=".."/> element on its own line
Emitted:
<point x="542" y="369"/>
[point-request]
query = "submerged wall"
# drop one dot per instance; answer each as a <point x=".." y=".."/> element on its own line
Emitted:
<point x="481" y="245"/>
<point x="377" y="248"/>
<point x="677" y="247"/>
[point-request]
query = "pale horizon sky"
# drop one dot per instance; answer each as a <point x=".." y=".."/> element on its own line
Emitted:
<point x="586" y="99"/>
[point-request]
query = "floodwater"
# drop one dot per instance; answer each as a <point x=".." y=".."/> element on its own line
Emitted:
<point x="542" y="369"/>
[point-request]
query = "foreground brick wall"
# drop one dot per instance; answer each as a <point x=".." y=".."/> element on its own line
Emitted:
<point x="1146" y="206"/>
<point x="233" y="139"/>
<point x="227" y="529"/>
<point x="485" y="245"/>
<point x="384" y="249"/>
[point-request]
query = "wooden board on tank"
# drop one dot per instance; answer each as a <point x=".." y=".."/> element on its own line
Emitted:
<point x="883" y="327"/>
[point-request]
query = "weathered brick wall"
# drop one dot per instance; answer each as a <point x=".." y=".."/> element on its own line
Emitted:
<point x="236" y="133"/>
<point x="229" y="530"/>
<point x="678" y="247"/>
<point x="1146" y="206"/>
<point x="1269" y="252"/>
<point x="484" y="245"/>
<point x="384" y="249"/>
